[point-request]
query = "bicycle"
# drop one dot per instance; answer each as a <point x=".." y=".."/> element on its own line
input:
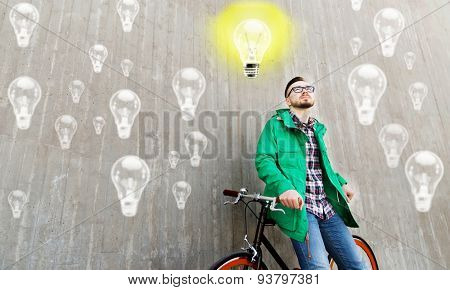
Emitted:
<point x="250" y="258"/>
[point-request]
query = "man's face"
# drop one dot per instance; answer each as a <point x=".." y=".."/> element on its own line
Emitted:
<point x="302" y="99"/>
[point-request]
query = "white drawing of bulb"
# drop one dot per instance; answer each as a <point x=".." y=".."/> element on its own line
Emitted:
<point x="355" y="44"/>
<point x="98" y="122"/>
<point x="181" y="191"/>
<point x="76" y="89"/>
<point x="17" y="200"/>
<point x="24" y="17"/>
<point x="66" y="127"/>
<point x="130" y="175"/>
<point x="125" y="106"/>
<point x="410" y="59"/>
<point x="174" y="157"/>
<point x="189" y="84"/>
<point x="127" y="66"/>
<point x="388" y="24"/>
<point x="24" y="94"/>
<point x="252" y="38"/>
<point x="356" y="5"/>
<point x="195" y="143"/>
<point x="367" y="83"/>
<point x="98" y="54"/>
<point x="424" y="171"/>
<point x="393" y="138"/>
<point x="418" y="91"/>
<point x="127" y="10"/>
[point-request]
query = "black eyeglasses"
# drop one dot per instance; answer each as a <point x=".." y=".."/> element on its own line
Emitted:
<point x="300" y="89"/>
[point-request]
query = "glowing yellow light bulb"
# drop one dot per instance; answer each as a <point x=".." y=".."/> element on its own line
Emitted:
<point x="252" y="37"/>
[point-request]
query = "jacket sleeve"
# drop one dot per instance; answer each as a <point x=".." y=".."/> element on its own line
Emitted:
<point x="341" y="179"/>
<point x="266" y="165"/>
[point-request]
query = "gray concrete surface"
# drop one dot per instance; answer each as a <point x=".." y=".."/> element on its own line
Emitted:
<point x="72" y="219"/>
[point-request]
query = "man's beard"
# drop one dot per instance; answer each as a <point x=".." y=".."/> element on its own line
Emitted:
<point x="302" y="105"/>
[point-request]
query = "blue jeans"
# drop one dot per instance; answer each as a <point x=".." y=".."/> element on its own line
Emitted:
<point x="331" y="236"/>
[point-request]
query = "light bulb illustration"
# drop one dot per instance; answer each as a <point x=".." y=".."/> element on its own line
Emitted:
<point x="17" y="200"/>
<point x="24" y="17"/>
<point x="181" y="190"/>
<point x="355" y="45"/>
<point x="418" y="91"/>
<point x="174" y="157"/>
<point x="24" y="94"/>
<point x="367" y="83"/>
<point x="125" y="106"/>
<point x="189" y="84"/>
<point x="252" y="38"/>
<point x="410" y="59"/>
<point x="98" y="54"/>
<point x="195" y="143"/>
<point x="393" y="138"/>
<point x="356" y="4"/>
<point x="388" y="24"/>
<point x="98" y="122"/>
<point x="127" y="66"/>
<point x="66" y="127"/>
<point x="424" y="171"/>
<point x="76" y="89"/>
<point x="130" y="175"/>
<point x="127" y="10"/>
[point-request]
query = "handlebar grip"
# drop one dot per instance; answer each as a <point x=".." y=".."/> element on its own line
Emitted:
<point x="229" y="192"/>
<point x="277" y="200"/>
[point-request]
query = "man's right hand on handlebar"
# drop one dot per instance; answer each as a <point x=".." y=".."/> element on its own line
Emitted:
<point x="292" y="199"/>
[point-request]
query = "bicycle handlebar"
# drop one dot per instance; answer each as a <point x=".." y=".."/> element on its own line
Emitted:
<point x="243" y="194"/>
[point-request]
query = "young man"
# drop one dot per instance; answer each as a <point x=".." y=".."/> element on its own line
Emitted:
<point x="292" y="160"/>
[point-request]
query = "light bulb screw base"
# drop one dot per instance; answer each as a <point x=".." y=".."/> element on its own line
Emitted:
<point x="181" y="205"/>
<point x="23" y="122"/>
<point x="251" y="70"/>
<point x="65" y="145"/>
<point x="195" y="161"/>
<point x="16" y="214"/>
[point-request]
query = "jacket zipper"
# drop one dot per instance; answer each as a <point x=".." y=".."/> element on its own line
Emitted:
<point x="307" y="244"/>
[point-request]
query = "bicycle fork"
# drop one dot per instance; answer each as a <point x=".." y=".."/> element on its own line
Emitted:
<point x="249" y="246"/>
<point x="256" y="246"/>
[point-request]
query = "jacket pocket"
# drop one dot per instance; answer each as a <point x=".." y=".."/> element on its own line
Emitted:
<point x="288" y="159"/>
<point x="291" y="159"/>
<point x="293" y="167"/>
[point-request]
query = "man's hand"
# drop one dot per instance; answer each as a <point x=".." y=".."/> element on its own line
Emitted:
<point x="348" y="192"/>
<point x="292" y="199"/>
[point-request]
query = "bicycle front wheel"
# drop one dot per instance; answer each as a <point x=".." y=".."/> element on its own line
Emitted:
<point x="237" y="261"/>
<point x="366" y="252"/>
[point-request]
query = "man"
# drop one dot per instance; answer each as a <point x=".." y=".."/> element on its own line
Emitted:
<point x="292" y="160"/>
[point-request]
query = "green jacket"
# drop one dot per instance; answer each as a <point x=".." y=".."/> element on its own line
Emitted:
<point x="281" y="163"/>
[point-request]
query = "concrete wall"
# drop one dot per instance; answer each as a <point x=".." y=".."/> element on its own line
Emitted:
<point x="73" y="219"/>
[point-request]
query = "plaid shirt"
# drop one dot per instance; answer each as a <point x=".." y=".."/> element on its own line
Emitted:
<point x="316" y="202"/>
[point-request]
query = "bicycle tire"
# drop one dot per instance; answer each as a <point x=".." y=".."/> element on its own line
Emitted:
<point x="370" y="255"/>
<point x="241" y="260"/>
